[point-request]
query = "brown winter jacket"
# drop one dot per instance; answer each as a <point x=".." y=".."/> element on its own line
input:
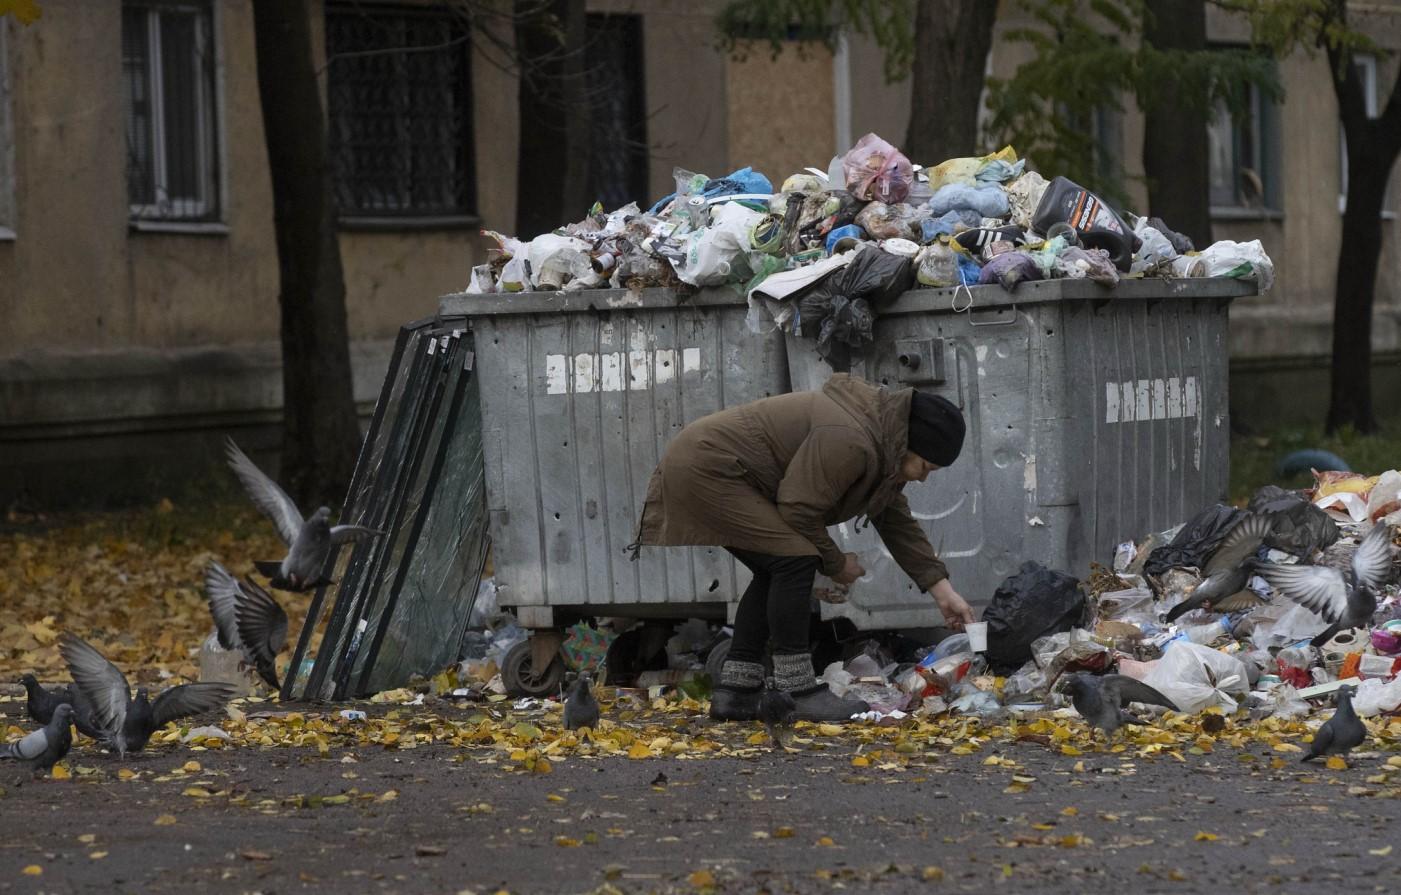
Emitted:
<point x="771" y="475"/>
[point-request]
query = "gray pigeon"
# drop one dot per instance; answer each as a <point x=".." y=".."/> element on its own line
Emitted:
<point x="105" y="710"/>
<point x="1345" y="599"/>
<point x="1341" y="733"/>
<point x="580" y="707"/>
<point x="45" y="747"/>
<point x="246" y="618"/>
<point x="308" y="541"/>
<point x="1101" y="700"/>
<point x="778" y="711"/>
<point x="40" y="703"/>
<point x="1228" y="570"/>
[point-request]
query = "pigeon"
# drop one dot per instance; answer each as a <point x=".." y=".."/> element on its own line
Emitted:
<point x="40" y="703"/>
<point x="580" y="707"/>
<point x="1101" y="700"/>
<point x="1341" y="733"/>
<point x="1345" y="599"/>
<point x="308" y="541"/>
<point x="778" y="711"/>
<point x="105" y="710"/>
<point x="246" y="618"/>
<point x="45" y="747"/>
<point x="1228" y="570"/>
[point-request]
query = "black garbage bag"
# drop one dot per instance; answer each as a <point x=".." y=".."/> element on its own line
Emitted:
<point x="1031" y="604"/>
<point x="1298" y="527"/>
<point x="1197" y="540"/>
<point x="840" y="311"/>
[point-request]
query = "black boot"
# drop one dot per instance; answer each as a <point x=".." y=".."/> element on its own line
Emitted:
<point x="734" y="704"/>
<point x="821" y="704"/>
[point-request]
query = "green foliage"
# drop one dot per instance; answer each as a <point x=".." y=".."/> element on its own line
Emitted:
<point x="890" y="23"/>
<point x="1087" y="56"/>
<point x="1254" y="457"/>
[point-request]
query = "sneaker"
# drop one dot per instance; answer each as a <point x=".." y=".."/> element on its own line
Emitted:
<point x="731" y="704"/>
<point x="821" y="704"/>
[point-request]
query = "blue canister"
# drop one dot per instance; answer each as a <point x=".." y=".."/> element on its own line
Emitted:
<point x="842" y="239"/>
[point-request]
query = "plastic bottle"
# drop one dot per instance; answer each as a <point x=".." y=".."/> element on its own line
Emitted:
<point x="1209" y="632"/>
<point x="937" y="266"/>
<point x="1098" y="225"/>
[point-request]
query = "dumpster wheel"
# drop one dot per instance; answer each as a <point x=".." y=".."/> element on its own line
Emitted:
<point x="520" y="677"/>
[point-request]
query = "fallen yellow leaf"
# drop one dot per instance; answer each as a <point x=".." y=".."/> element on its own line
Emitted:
<point x="60" y="772"/>
<point x="165" y="820"/>
<point x="702" y="879"/>
<point x="1205" y="837"/>
<point x="826" y="841"/>
<point x="932" y="874"/>
<point x="566" y="842"/>
<point x="33" y="870"/>
<point x="1380" y="852"/>
<point x="88" y="838"/>
<point x="783" y="833"/>
<point x="98" y="855"/>
<point x="1336" y="763"/>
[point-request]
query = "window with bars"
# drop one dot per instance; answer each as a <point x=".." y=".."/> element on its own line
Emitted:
<point x="617" y="122"/>
<point x="172" y="132"/>
<point x="399" y="94"/>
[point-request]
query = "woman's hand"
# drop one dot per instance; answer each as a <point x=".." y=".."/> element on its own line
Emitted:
<point x="851" y="570"/>
<point x="956" y="610"/>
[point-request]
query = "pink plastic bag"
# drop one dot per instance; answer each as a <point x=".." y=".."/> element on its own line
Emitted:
<point x="876" y="170"/>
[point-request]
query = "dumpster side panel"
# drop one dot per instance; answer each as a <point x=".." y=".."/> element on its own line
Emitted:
<point x="578" y="408"/>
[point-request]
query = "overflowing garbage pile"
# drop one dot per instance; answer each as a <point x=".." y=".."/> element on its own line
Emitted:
<point x="1268" y="610"/>
<point x="825" y="251"/>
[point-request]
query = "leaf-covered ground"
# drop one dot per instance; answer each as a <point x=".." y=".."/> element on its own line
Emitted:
<point x="440" y="795"/>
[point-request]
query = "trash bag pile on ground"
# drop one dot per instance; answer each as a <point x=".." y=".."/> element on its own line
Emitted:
<point x="825" y="251"/>
<point x="1269" y="610"/>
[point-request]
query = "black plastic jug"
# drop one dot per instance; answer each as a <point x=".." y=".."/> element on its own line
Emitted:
<point x="1098" y="225"/>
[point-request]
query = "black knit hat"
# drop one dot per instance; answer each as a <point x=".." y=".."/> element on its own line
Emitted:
<point x="936" y="428"/>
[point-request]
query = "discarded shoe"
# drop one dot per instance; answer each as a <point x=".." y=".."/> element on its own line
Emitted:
<point x="821" y="704"/>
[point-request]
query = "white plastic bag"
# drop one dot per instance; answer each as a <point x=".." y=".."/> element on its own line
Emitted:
<point x="554" y="260"/>
<point x="1156" y="250"/>
<point x="1196" y="677"/>
<point x="1241" y="260"/>
<point x="1375" y="696"/>
<point x="710" y="254"/>
<point x="1384" y="500"/>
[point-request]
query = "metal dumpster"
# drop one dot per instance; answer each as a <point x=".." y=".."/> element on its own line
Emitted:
<point x="1094" y="417"/>
<point x="580" y="393"/>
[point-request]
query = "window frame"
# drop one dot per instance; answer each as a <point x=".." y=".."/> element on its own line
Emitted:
<point x="9" y="203"/>
<point x="1263" y="117"/>
<point x="1367" y="62"/>
<point x="383" y="220"/>
<point x="213" y="148"/>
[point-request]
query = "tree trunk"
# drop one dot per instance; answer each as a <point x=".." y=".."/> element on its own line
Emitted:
<point x="1174" y="140"/>
<point x="553" y="179"/>
<point x="952" y="40"/>
<point x="1372" y="148"/>
<point x="321" y="436"/>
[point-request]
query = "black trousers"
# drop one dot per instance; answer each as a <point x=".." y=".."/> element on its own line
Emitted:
<point x="775" y="607"/>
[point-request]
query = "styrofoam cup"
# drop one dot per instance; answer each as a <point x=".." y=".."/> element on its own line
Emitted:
<point x="977" y="636"/>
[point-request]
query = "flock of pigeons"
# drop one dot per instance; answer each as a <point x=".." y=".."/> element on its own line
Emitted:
<point x="1345" y="598"/>
<point x="246" y="617"/>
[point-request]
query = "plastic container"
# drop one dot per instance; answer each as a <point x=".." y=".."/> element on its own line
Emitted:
<point x="977" y="636"/>
<point x="1098" y="225"/>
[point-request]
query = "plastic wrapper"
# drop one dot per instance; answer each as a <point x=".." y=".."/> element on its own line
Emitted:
<point x="966" y="170"/>
<point x="1280" y="701"/>
<point x="1023" y="195"/>
<point x="1241" y="260"/>
<point x="1181" y="244"/>
<point x="1186" y="266"/>
<point x="937" y="265"/>
<point x="876" y="170"/>
<point x="1028" y="684"/>
<point x="1135" y="606"/>
<point x="555" y="260"/>
<point x="999" y="170"/>
<point x="1076" y="263"/>
<point x="1297" y="527"/>
<point x="482" y="281"/>
<point x="1156" y="251"/>
<point x="1195" y="541"/>
<point x="1027" y="606"/>
<point x="1384" y="500"/>
<point x="837" y="678"/>
<point x="947" y="224"/>
<point x="1009" y="270"/>
<point x="716" y="254"/>
<point x="988" y="200"/>
<point x="897" y="221"/>
<point x="1375" y="696"/>
<point x="972" y="701"/>
<point x="1196" y="678"/>
<point x="1292" y="624"/>
<point x="1073" y="650"/>
<point x="803" y="183"/>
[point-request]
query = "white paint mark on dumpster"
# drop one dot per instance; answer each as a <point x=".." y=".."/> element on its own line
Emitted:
<point x="556" y="377"/>
<point x="666" y="365"/>
<point x="611" y="379"/>
<point x="583" y="374"/>
<point x="1029" y="474"/>
<point x="616" y="371"/>
<point x="1141" y="400"/>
